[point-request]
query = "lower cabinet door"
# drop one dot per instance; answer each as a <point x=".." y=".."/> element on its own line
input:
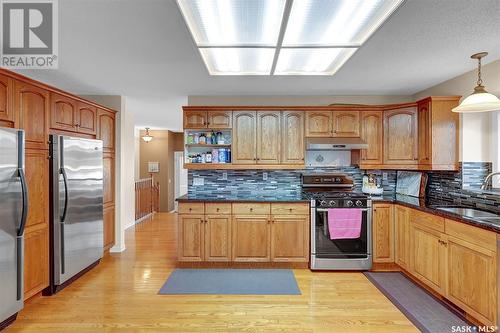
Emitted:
<point x="109" y="227"/>
<point x="251" y="238"/>
<point x="472" y="281"/>
<point x="428" y="257"/>
<point x="36" y="261"/>
<point x="191" y="237"/>
<point x="402" y="226"/>
<point x="290" y="238"/>
<point x="383" y="233"/>
<point x="218" y="238"/>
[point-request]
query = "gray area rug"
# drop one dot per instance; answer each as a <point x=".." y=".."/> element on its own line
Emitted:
<point x="422" y="309"/>
<point x="231" y="282"/>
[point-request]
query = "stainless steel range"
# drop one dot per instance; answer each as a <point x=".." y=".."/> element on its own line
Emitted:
<point x="328" y="192"/>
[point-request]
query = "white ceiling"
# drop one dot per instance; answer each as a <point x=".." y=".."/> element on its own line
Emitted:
<point x="143" y="50"/>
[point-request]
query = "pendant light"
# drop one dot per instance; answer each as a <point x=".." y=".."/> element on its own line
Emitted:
<point x="147" y="137"/>
<point x="480" y="100"/>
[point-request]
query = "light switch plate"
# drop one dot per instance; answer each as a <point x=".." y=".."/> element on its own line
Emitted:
<point x="198" y="181"/>
<point x="224" y="176"/>
<point x="264" y="176"/>
<point x="384" y="175"/>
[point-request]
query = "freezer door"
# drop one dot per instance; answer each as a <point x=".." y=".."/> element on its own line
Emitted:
<point x="11" y="213"/>
<point x="79" y="224"/>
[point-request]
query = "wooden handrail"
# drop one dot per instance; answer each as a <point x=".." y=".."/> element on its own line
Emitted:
<point x="147" y="197"/>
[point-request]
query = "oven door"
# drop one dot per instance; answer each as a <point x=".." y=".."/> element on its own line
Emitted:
<point x="324" y="247"/>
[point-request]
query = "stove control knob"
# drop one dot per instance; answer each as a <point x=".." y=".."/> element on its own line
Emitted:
<point x="322" y="203"/>
<point x="337" y="180"/>
<point x="332" y="203"/>
<point x="359" y="203"/>
<point x="349" y="203"/>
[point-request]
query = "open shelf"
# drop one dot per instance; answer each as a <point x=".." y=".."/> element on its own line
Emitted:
<point x="231" y="166"/>
<point x="201" y="145"/>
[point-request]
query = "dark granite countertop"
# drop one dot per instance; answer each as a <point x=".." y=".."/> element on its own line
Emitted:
<point x="430" y="206"/>
<point x="242" y="198"/>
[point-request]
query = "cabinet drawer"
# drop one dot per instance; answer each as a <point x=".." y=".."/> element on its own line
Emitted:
<point x="217" y="208"/>
<point x="251" y="208"/>
<point x="289" y="209"/>
<point x="427" y="220"/>
<point x="477" y="236"/>
<point x="191" y="208"/>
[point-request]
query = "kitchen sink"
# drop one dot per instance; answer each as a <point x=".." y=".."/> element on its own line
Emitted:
<point x="470" y="212"/>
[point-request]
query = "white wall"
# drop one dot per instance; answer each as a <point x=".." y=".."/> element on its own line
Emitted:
<point x="479" y="140"/>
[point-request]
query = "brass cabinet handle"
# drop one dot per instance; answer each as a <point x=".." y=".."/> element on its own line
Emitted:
<point x="217" y="209"/>
<point x="251" y="209"/>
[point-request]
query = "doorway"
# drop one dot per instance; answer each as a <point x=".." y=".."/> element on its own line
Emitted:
<point x="181" y="177"/>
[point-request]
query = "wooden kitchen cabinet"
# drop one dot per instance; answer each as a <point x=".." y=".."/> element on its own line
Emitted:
<point x="244" y="147"/>
<point x="472" y="279"/>
<point x="346" y="124"/>
<point x="191" y="237"/>
<point x="32" y="104"/>
<point x="438" y="133"/>
<point x="6" y="90"/>
<point x="372" y="130"/>
<point x="36" y="261"/>
<point x="383" y="233"/>
<point x="319" y="123"/>
<point x="108" y="226"/>
<point x="292" y="137"/>
<point x="219" y="119"/>
<point x="86" y="118"/>
<point x="195" y="119"/>
<point x="251" y="238"/>
<point x="402" y="240"/>
<point x="217" y="238"/>
<point x="428" y="256"/>
<point x="63" y="112"/>
<point x="400" y="136"/>
<point x="290" y="238"/>
<point x="268" y="137"/>
<point x="108" y="164"/>
<point x="106" y="129"/>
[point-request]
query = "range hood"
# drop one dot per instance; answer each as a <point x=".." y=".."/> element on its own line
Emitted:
<point x="335" y="144"/>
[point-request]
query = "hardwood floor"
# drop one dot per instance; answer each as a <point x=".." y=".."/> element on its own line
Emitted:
<point x="120" y="295"/>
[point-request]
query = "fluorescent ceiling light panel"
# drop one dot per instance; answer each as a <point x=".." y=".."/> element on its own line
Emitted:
<point x="336" y="22"/>
<point x="312" y="61"/>
<point x="233" y="22"/>
<point x="238" y="61"/>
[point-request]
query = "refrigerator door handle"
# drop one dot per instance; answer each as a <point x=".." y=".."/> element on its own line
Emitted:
<point x="63" y="218"/>
<point x="20" y="269"/>
<point x="24" y="192"/>
<point x="62" y="171"/>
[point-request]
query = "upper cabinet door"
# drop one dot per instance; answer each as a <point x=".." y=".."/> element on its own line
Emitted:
<point x="292" y="137"/>
<point x="195" y="119"/>
<point x="424" y="132"/>
<point x="372" y="133"/>
<point x="219" y="119"/>
<point x="106" y="129"/>
<point x="244" y="137"/>
<point x="32" y="103"/>
<point x="87" y="118"/>
<point x="319" y="124"/>
<point x="63" y="113"/>
<point x="6" y="87"/>
<point x="400" y="136"/>
<point x="345" y="124"/>
<point x="268" y="137"/>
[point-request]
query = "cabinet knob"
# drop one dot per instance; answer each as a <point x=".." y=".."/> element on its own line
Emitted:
<point x="291" y="209"/>
<point x="251" y="209"/>
<point x="217" y="209"/>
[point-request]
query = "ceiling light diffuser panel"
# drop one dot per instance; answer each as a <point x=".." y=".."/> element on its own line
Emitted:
<point x="335" y="22"/>
<point x="238" y="61"/>
<point x="250" y="37"/>
<point x="233" y="22"/>
<point x="312" y="61"/>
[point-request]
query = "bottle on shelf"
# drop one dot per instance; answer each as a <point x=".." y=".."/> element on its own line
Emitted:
<point x="196" y="138"/>
<point x="220" y="138"/>
<point x="203" y="139"/>
<point x="214" y="138"/>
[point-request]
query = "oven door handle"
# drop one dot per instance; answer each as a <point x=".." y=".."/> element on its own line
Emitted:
<point x="326" y="209"/>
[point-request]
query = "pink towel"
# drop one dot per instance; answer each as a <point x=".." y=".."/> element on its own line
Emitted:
<point x="344" y="223"/>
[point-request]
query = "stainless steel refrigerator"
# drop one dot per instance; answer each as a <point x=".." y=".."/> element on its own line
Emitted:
<point x="76" y="180"/>
<point x="13" y="214"/>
